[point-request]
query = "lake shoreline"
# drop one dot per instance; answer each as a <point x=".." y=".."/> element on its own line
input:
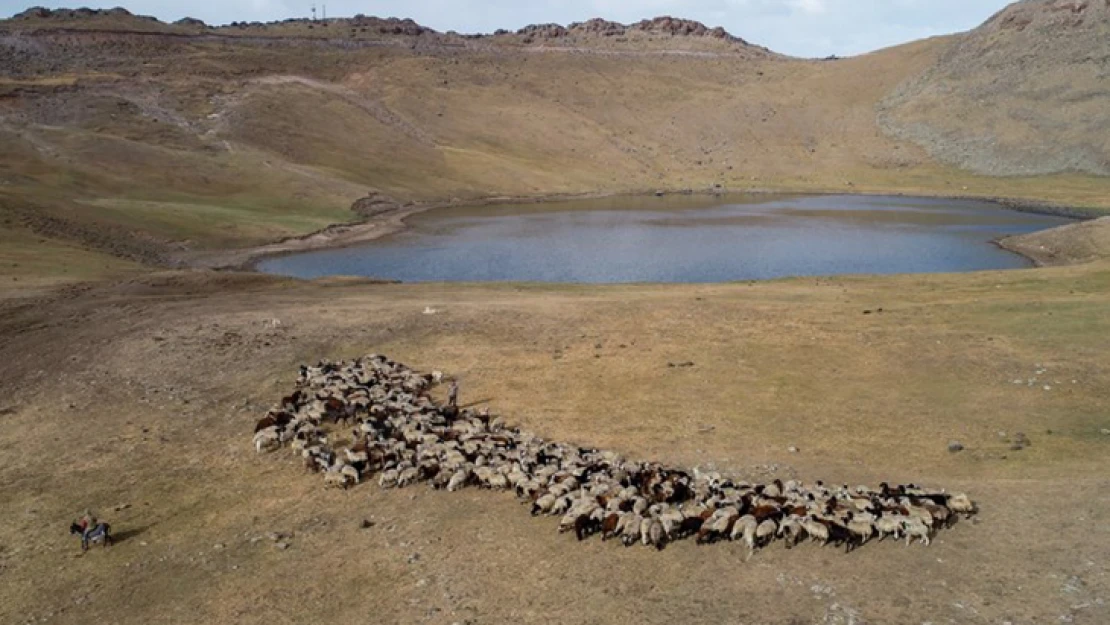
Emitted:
<point x="392" y="220"/>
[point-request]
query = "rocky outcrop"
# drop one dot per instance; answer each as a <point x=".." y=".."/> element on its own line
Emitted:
<point x="123" y="19"/>
<point x="677" y="27"/>
<point x="598" y="26"/>
<point x="41" y="13"/>
<point x="191" y="22"/>
<point x="1043" y="16"/>
<point x="658" y="34"/>
<point x="389" y="26"/>
<point x="543" y="31"/>
<point x="373" y="205"/>
<point x="360" y="27"/>
<point x="33" y="13"/>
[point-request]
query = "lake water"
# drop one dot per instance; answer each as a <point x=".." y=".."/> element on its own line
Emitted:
<point x="683" y="239"/>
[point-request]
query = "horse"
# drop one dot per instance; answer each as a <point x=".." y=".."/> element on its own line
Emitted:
<point x="100" y="533"/>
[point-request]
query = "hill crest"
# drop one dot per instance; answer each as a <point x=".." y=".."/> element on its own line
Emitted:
<point x="654" y="33"/>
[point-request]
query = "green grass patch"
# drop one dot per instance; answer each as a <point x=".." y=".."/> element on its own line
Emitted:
<point x="26" y="259"/>
<point x="214" y="224"/>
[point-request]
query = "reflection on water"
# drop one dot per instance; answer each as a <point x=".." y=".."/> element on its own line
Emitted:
<point x="683" y="239"/>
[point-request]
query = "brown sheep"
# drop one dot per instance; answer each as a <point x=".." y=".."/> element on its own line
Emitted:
<point x="273" y="419"/>
<point x="609" y="526"/>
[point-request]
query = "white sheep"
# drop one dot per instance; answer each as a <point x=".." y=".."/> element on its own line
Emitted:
<point x="765" y="532"/>
<point x="543" y="504"/>
<point x="631" y="532"/>
<point x="919" y="513"/>
<point x="791" y="531"/>
<point x="816" y="530"/>
<point x="671" y="519"/>
<point x="388" y="478"/>
<point x="562" y="504"/>
<point x="458" y="480"/>
<point x="645" y="530"/>
<point x="915" y="528"/>
<point x="889" y="525"/>
<point x="717" y="524"/>
<point x="351" y="473"/>
<point x="357" y="456"/>
<point x="861" y="528"/>
<point x="267" y="439"/>
<point x="407" y="476"/>
<point x="656" y="534"/>
<point x="961" y="504"/>
<point x="744" y="529"/>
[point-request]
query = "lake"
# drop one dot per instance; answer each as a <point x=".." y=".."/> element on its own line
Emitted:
<point x="683" y="239"/>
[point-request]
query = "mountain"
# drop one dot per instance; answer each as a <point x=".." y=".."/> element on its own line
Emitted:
<point x="1026" y="93"/>
<point x="129" y="138"/>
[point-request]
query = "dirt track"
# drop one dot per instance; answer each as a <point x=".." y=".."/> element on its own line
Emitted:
<point x="143" y="393"/>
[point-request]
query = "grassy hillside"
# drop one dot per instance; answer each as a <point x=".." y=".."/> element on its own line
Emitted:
<point x="143" y="140"/>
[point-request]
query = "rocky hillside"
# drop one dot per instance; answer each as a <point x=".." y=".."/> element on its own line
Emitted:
<point x="148" y="141"/>
<point x="660" y="33"/>
<point x="1026" y="93"/>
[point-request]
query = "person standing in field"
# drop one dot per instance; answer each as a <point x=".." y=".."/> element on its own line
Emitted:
<point x="453" y="394"/>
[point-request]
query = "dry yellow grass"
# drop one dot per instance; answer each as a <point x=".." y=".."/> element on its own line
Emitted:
<point x="136" y="398"/>
<point x="1075" y="243"/>
<point x="144" y="393"/>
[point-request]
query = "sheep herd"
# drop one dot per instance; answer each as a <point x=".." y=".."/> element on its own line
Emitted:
<point x="403" y="436"/>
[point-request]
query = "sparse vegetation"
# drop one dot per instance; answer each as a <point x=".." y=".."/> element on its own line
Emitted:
<point x="129" y="145"/>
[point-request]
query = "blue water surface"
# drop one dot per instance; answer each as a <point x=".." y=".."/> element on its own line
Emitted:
<point x="683" y="239"/>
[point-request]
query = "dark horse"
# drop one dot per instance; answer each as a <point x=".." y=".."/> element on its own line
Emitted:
<point x="102" y="532"/>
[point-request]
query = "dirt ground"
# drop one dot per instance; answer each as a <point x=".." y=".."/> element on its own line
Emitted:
<point x="137" y="399"/>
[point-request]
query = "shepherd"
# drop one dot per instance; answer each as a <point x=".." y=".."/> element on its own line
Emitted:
<point x="453" y="394"/>
<point x="87" y="522"/>
<point x="91" y="531"/>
